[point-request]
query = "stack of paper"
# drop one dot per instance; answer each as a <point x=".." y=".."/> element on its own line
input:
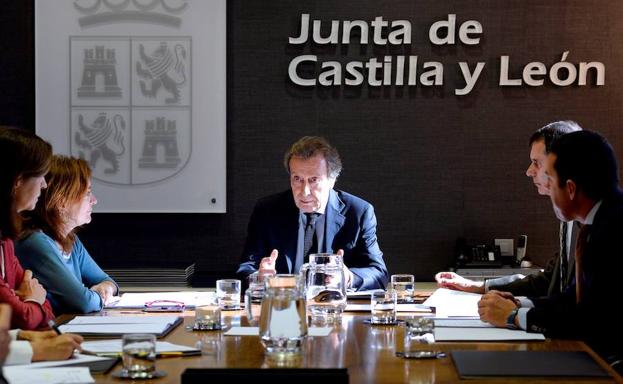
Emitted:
<point x="24" y="374"/>
<point x="113" y="347"/>
<point x="118" y="325"/>
<point x="449" y="303"/>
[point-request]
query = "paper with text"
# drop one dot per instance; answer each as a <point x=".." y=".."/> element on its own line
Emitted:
<point x="24" y="374"/>
<point x="450" y="303"/>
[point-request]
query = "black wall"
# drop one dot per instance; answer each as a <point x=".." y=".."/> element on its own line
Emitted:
<point x="436" y="166"/>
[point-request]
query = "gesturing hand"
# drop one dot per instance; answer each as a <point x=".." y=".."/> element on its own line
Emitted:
<point x="456" y="282"/>
<point x="267" y="264"/>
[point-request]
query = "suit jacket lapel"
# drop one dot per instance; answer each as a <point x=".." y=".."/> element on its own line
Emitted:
<point x="575" y="229"/>
<point x="335" y="219"/>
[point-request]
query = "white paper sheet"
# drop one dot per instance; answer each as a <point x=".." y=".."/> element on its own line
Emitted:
<point x="75" y="359"/>
<point x="484" y="334"/>
<point x="117" y="325"/>
<point x="356" y="307"/>
<point x="450" y="303"/>
<point x="25" y="374"/>
<point x="462" y="323"/>
<point x="113" y="329"/>
<point x="190" y="299"/>
<point x="255" y="331"/>
<point x="114" y="346"/>
<point x="138" y="319"/>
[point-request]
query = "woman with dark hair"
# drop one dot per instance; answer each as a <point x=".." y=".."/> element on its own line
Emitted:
<point x="24" y="160"/>
<point x="50" y="247"/>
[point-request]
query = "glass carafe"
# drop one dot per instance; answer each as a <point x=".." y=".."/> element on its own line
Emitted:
<point x="325" y="287"/>
<point x="283" y="320"/>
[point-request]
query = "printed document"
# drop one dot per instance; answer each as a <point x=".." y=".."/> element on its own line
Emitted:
<point x="450" y="303"/>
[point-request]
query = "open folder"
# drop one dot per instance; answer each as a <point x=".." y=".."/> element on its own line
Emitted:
<point x="116" y="326"/>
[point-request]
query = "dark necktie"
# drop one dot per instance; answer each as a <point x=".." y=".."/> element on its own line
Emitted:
<point x="580" y="246"/>
<point x="564" y="258"/>
<point x="308" y="240"/>
<point x="310" y="232"/>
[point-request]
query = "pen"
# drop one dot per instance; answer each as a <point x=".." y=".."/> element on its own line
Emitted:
<point x="54" y="327"/>
<point x="169" y="354"/>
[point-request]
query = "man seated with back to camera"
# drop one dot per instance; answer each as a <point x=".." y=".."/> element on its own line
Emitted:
<point x="561" y="270"/>
<point x="344" y="224"/>
<point x="583" y="178"/>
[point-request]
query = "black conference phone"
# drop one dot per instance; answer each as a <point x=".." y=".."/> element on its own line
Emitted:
<point x="477" y="256"/>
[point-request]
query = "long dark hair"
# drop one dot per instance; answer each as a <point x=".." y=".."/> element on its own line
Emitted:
<point x="22" y="155"/>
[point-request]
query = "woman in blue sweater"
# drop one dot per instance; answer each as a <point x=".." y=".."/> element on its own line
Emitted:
<point x="51" y="249"/>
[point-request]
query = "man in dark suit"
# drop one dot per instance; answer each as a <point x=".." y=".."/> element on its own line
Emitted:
<point x="583" y="175"/>
<point x="312" y="217"/>
<point x="555" y="278"/>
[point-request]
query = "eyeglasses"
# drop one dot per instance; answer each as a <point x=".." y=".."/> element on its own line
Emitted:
<point x="164" y="306"/>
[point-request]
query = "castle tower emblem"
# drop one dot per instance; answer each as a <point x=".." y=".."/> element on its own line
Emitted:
<point x="160" y="148"/>
<point x="99" y="62"/>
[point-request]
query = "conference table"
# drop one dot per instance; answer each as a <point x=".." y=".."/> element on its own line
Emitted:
<point x="368" y="352"/>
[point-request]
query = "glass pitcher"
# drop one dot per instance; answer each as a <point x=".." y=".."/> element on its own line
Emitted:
<point x="325" y="287"/>
<point x="283" y="320"/>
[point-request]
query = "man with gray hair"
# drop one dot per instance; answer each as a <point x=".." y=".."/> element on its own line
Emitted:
<point x="312" y="217"/>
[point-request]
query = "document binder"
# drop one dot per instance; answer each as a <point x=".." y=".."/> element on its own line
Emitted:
<point x="471" y="364"/>
<point x="97" y="366"/>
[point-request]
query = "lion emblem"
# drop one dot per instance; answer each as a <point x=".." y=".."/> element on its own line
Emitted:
<point x="104" y="139"/>
<point x="163" y="70"/>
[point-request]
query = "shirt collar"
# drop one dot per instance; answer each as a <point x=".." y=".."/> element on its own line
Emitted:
<point x="591" y="214"/>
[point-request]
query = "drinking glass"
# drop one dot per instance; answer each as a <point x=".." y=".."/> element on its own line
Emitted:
<point x="253" y="297"/>
<point x="383" y="307"/>
<point x="139" y="355"/>
<point x="404" y="285"/>
<point x="207" y="318"/>
<point x="419" y="338"/>
<point x="228" y="294"/>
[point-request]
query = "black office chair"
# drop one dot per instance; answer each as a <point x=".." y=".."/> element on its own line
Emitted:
<point x="616" y="362"/>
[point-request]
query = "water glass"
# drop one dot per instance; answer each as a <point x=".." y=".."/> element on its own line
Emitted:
<point x="253" y="297"/>
<point x="228" y="294"/>
<point x="404" y="285"/>
<point x="419" y="336"/>
<point x="207" y="318"/>
<point x="383" y="307"/>
<point x="139" y="355"/>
